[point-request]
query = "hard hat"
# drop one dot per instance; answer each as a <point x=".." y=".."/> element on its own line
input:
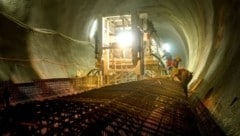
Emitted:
<point x="178" y="58"/>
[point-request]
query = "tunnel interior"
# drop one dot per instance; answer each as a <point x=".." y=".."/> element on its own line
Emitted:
<point x="41" y="40"/>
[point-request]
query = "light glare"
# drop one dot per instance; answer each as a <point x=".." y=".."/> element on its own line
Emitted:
<point x="166" y="46"/>
<point x="93" y="29"/>
<point x="125" y="38"/>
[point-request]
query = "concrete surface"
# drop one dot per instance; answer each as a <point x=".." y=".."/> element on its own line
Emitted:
<point x="29" y="54"/>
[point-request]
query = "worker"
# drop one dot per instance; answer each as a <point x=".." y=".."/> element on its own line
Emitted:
<point x="176" y="62"/>
<point x="184" y="77"/>
<point x="168" y="58"/>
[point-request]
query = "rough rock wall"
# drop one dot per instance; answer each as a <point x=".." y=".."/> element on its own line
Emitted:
<point x="220" y="87"/>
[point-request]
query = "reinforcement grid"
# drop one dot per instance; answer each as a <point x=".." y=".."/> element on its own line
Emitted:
<point x="136" y="113"/>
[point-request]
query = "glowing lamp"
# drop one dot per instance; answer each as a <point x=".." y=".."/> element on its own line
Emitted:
<point x="166" y="46"/>
<point x="125" y="39"/>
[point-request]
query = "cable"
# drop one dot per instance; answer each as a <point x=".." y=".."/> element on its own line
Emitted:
<point x="36" y="60"/>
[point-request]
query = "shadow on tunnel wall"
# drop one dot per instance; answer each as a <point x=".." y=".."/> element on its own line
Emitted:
<point x="15" y="63"/>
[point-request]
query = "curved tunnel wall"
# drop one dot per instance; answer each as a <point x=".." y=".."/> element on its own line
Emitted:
<point x="29" y="54"/>
<point x="207" y="32"/>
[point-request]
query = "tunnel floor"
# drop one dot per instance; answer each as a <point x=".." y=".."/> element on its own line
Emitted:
<point x="148" y="107"/>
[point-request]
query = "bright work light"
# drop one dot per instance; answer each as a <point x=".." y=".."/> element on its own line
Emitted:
<point x="125" y="39"/>
<point x="166" y="46"/>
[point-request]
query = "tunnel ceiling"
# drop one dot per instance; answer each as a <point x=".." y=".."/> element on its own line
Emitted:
<point x="179" y="22"/>
<point x="205" y="33"/>
<point x="184" y="24"/>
